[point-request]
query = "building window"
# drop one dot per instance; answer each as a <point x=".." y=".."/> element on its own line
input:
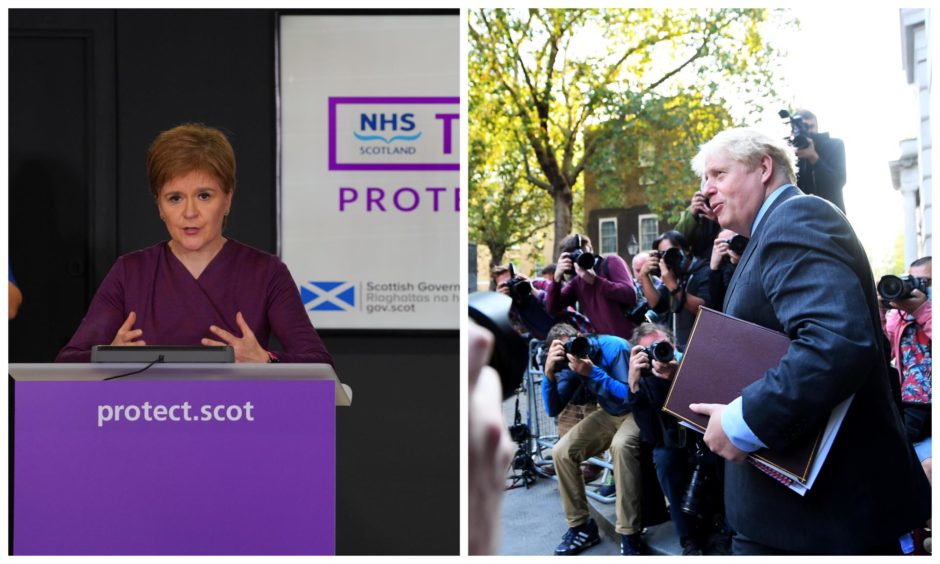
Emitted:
<point x="649" y="230"/>
<point x="608" y="231"/>
<point x="647" y="154"/>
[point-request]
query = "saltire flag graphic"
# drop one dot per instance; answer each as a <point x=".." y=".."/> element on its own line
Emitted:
<point x="328" y="296"/>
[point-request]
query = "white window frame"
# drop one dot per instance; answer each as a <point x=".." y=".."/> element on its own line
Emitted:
<point x="646" y="245"/>
<point x="600" y="236"/>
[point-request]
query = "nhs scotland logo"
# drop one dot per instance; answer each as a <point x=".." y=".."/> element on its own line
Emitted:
<point x="370" y="124"/>
<point x="394" y="133"/>
<point x="328" y="296"/>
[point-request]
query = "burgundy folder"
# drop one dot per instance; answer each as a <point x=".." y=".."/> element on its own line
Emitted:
<point x="725" y="354"/>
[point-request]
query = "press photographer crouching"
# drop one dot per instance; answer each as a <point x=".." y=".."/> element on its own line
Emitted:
<point x="653" y="363"/>
<point x="601" y="364"/>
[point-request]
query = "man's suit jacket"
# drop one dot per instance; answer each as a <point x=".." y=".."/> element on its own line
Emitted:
<point x="804" y="273"/>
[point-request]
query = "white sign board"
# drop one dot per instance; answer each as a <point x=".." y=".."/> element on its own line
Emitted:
<point x="369" y="195"/>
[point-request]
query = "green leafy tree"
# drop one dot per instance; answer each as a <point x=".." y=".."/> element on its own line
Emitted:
<point x="504" y="210"/>
<point x="645" y="160"/>
<point x="556" y="72"/>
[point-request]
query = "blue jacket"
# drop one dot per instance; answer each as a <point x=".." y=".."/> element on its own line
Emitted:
<point x="608" y="379"/>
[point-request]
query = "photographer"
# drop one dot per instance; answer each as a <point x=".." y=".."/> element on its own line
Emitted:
<point x="653" y="364"/>
<point x="821" y="164"/>
<point x="699" y="225"/>
<point x="548" y="272"/>
<point x="908" y="326"/>
<point x="684" y="283"/>
<point x="726" y="252"/>
<point x="601" y="364"/>
<point x="603" y="289"/>
<point x="528" y="304"/>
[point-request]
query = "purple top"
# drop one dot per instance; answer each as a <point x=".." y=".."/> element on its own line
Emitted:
<point x="173" y="308"/>
<point x="601" y="302"/>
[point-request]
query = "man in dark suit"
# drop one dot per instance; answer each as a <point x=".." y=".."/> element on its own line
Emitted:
<point x="804" y="273"/>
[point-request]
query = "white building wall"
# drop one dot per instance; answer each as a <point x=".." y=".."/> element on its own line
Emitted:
<point x="915" y="41"/>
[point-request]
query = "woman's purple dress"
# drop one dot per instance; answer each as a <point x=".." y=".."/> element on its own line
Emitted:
<point x="173" y="308"/>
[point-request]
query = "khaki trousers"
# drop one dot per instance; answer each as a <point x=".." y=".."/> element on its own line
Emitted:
<point x="590" y="437"/>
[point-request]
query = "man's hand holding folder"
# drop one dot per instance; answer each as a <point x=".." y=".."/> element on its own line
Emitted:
<point x="715" y="436"/>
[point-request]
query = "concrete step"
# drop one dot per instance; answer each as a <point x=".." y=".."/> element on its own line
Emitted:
<point x="661" y="540"/>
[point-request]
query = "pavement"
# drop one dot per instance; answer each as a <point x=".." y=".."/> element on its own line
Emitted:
<point x="533" y="524"/>
<point x="533" y="521"/>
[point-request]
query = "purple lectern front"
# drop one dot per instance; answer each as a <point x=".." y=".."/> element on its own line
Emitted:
<point x="179" y="459"/>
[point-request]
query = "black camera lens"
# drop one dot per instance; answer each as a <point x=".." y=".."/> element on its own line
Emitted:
<point x="663" y="351"/>
<point x="519" y="289"/>
<point x="587" y="261"/>
<point x="737" y="244"/>
<point x="890" y="287"/>
<point x="800" y="141"/>
<point x="692" y="501"/>
<point x="510" y="351"/>
<point x="675" y="259"/>
<point x="578" y="347"/>
<point x="695" y="501"/>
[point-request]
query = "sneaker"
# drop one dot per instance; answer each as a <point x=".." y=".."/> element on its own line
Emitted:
<point x="631" y="545"/>
<point x="690" y="547"/>
<point x="578" y="538"/>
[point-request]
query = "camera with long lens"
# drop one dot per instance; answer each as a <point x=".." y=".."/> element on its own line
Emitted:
<point x="677" y="261"/>
<point x="663" y="351"/>
<point x="520" y="289"/>
<point x="637" y="313"/>
<point x="582" y="258"/>
<point x="737" y="244"/>
<point x="799" y="131"/>
<point x="579" y="347"/>
<point x="892" y="287"/>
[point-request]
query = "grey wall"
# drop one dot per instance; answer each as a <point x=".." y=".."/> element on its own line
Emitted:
<point x="89" y="90"/>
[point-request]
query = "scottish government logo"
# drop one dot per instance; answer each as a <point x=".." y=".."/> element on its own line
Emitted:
<point x="328" y="296"/>
<point x="403" y="133"/>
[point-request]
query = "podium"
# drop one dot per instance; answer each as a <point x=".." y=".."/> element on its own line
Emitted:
<point x="220" y="459"/>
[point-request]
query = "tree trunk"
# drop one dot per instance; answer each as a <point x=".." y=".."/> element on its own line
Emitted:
<point x="496" y="258"/>
<point x="561" y="194"/>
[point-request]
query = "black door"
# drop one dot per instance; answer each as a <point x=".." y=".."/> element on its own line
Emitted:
<point x="61" y="185"/>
